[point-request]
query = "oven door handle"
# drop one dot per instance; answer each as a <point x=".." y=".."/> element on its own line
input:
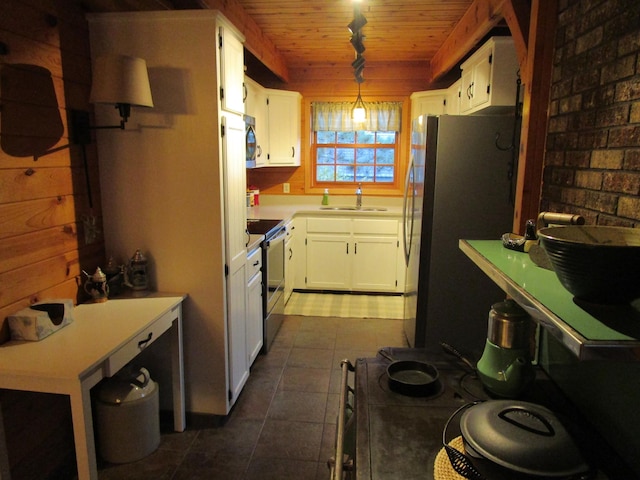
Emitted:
<point x="279" y="237"/>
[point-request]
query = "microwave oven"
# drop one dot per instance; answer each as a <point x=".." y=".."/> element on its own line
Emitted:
<point x="251" y="146"/>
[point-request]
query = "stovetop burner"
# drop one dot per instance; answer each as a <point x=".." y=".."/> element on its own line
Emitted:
<point x="457" y="385"/>
<point x="399" y="436"/>
<point x="383" y="381"/>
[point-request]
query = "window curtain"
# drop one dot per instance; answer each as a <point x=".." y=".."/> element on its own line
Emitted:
<point x="336" y="116"/>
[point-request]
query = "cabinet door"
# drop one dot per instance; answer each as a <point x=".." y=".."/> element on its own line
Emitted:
<point x="232" y="71"/>
<point x="283" y="110"/>
<point x="427" y="103"/>
<point x="374" y="265"/>
<point x="466" y="94"/>
<point x="288" y="270"/>
<point x="489" y="78"/>
<point x="233" y="163"/>
<point x="256" y="107"/>
<point x="254" y="317"/>
<point x="453" y="99"/>
<point x="482" y="80"/>
<point x="328" y="261"/>
<point x="289" y="262"/>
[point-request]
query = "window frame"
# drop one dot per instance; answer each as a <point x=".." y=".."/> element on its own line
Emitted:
<point x="329" y="184"/>
<point x="394" y="189"/>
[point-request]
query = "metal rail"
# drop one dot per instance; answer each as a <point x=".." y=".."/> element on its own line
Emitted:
<point x="340" y="464"/>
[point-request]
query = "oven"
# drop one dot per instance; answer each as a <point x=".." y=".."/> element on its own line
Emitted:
<point x="384" y="435"/>
<point x="273" y="258"/>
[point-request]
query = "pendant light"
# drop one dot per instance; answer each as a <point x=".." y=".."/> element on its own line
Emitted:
<point x="359" y="111"/>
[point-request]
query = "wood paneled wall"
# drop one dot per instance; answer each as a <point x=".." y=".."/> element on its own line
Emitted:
<point x="45" y="72"/>
<point x="44" y="194"/>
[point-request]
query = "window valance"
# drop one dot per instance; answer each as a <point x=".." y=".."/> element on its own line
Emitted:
<point x="336" y="116"/>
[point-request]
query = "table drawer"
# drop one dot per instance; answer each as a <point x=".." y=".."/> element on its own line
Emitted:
<point x="145" y="338"/>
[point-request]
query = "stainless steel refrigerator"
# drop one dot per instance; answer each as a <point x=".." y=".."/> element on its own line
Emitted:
<point x="458" y="186"/>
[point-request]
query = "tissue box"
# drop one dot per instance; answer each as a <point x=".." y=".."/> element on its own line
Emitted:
<point x="41" y="319"/>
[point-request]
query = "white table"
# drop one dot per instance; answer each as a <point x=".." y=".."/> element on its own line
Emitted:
<point x="102" y="339"/>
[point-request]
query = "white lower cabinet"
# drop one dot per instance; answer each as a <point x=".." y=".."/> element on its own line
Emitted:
<point x="374" y="267"/>
<point x="237" y="333"/>
<point x="352" y="254"/>
<point x="328" y="261"/>
<point x="290" y="260"/>
<point x="254" y="334"/>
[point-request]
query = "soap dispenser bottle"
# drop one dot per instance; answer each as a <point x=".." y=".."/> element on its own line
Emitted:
<point x="325" y="197"/>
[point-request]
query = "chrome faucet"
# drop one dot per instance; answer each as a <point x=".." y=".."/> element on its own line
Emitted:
<point x="359" y="196"/>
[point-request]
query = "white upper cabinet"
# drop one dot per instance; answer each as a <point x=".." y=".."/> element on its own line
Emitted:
<point x="489" y="78"/>
<point x="430" y="102"/>
<point x="453" y="99"/>
<point x="278" y="131"/>
<point x="232" y="71"/>
<point x="284" y="116"/>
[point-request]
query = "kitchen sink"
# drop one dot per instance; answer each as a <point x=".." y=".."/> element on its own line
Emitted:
<point x="356" y="209"/>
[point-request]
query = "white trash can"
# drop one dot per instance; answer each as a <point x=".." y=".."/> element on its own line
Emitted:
<point x="128" y="417"/>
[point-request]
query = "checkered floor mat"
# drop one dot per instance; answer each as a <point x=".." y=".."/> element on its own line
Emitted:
<point x="345" y="305"/>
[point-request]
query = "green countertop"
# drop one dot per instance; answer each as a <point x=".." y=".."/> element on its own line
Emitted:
<point x="590" y="331"/>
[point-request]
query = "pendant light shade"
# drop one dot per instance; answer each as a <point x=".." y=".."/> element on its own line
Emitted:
<point x="359" y="110"/>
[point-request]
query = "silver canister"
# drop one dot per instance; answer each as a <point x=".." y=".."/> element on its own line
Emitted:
<point x="509" y="325"/>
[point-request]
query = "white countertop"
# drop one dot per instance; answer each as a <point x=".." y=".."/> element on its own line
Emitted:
<point x="286" y="211"/>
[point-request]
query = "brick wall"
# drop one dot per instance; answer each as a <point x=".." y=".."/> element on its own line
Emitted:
<point x="592" y="164"/>
<point x="592" y="167"/>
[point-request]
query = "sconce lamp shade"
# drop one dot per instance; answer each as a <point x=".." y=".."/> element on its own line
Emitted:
<point x="120" y="79"/>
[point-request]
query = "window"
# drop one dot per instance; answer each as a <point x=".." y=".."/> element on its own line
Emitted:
<point x="354" y="157"/>
<point x="348" y="153"/>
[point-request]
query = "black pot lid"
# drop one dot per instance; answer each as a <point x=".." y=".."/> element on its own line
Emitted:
<point x="521" y="436"/>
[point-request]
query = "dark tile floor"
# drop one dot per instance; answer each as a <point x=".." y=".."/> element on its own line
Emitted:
<point x="283" y="425"/>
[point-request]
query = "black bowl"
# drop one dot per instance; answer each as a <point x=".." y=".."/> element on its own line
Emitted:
<point x="598" y="264"/>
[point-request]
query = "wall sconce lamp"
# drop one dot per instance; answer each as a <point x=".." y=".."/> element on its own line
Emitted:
<point x="118" y="80"/>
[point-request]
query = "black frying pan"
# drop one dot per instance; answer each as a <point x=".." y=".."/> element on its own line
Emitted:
<point x="411" y="377"/>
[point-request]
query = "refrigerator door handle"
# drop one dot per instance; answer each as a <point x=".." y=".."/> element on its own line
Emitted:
<point x="406" y="243"/>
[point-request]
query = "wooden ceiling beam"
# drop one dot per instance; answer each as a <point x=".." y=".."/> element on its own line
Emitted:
<point x="478" y="20"/>
<point x="535" y="111"/>
<point x="255" y="40"/>
<point x="517" y="13"/>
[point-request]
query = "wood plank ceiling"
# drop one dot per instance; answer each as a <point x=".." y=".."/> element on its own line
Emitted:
<point x="315" y="31"/>
<point x="289" y="34"/>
